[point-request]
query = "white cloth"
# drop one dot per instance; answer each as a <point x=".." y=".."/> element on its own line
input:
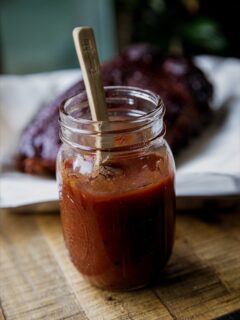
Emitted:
<point x="209" y="166"/>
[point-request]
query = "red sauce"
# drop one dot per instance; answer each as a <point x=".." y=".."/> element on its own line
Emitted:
<point x="119" y="230"/>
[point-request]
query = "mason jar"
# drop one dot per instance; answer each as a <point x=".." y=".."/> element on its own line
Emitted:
<point x="116" y="188"/>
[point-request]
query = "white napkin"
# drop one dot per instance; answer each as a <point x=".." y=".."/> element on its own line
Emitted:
<point x="210" y="166"/>
<point x="21" y="97"/>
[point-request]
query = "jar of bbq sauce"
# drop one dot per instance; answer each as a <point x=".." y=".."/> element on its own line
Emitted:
<point x="116" y="188"/>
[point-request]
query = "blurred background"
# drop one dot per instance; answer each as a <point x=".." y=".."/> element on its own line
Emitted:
<point x="35" y="36"/>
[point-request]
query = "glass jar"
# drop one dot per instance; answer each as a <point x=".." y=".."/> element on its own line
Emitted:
<point x="116" y="188"/>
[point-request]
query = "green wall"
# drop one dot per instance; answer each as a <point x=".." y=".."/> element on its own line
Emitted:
<point x="36" y="35"/>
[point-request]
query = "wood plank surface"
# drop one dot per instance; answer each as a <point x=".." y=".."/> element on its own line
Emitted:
<point x="38" y="281"/>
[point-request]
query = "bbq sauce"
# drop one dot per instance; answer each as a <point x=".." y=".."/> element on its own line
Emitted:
<point x="119" y="225"/>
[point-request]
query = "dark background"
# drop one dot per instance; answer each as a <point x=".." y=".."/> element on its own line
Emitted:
<point x="187" y="26"/>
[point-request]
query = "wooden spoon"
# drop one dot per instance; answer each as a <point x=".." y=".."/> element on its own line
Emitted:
<point x="86" y="49"/>
<point x="85" y="45"/>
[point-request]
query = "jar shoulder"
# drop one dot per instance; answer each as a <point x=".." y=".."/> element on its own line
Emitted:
<point x="120" y="172"/>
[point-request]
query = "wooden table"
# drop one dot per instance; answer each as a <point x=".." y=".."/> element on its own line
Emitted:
<point x="37" y="280"/>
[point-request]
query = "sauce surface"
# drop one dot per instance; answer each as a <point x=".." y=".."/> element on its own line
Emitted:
<point x="119" y="226"/>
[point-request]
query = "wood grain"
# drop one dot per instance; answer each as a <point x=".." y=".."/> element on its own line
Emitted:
<point x="38" y="281"/>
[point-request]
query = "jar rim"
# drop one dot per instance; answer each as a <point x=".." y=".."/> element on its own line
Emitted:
<point x="151" y="96"/>
<point x="135" y="119"/>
